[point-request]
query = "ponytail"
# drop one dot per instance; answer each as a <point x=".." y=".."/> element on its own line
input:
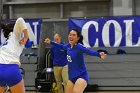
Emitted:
<point x="7" y="28"/>
<point x="80" y="39"/>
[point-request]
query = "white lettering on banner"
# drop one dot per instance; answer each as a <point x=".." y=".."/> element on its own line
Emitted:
<point x="105" y="33"/>
<point x="128" y="37"/>
<point x="35" y="31"/>
<point x="3" y="39"/>
<point x="85" y="33"/>
<point x="138" y="43"/>
<point x="31" y="33"/>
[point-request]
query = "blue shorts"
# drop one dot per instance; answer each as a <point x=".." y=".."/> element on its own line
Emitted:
<point x="83" y="76"/>
<point x="10" y="74"/>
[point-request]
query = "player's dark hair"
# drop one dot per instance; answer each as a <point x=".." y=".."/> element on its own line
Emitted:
<point x="79" y="35"/>
<point x="7" y="28"/>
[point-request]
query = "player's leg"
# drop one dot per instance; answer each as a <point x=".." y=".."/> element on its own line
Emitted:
<point x="15" y="80"/>
<point x="2" y="88"/>
<point x="18" y="88"/>
<point x="65" y="76"/>
<point x="2" y="78"/>
<point x="58" y="78"/>
<point x="79" y="86"/>
<point x="69" y="87"/>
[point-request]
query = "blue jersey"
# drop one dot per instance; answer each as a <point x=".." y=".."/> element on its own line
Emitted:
<point x="59" y="56"/>
<point x="75" y="57"/>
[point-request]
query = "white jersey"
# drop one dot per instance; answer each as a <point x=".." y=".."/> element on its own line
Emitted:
<point x="11" y="50"/>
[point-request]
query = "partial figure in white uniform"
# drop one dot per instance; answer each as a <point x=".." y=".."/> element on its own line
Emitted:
<point x="10" y="52"/>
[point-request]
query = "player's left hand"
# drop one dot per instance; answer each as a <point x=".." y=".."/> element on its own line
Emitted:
<point x="103" y="55"/>
<point x="23" y="41"/>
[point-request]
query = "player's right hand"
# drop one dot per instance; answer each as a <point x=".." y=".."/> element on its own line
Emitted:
<point x="103" y="55"/>
<point x="47" y="40"/>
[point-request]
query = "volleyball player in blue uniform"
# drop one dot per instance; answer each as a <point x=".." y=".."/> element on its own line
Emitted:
<point x="10" y="51"/>
<point x="78" y="76"/>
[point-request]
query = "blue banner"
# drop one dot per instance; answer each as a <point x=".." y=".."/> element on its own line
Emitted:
<point x="108" y="31"/>
<point x="34" y="29"/>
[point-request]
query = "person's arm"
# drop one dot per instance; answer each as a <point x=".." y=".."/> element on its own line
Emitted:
<point x="92" y="52"/>
<point x="20" y="27"/>
<point x="25" y="38"/>
<point x="62" y="46"/>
